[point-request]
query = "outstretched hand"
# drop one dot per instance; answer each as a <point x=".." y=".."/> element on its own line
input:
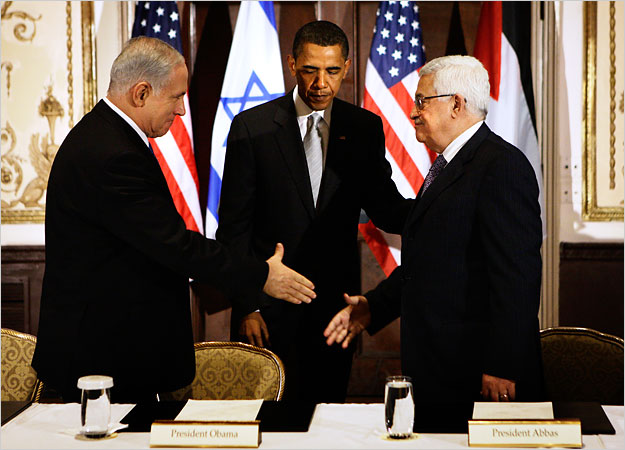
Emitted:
<point x="348" y="322"/>
<point x="285" y="283"/>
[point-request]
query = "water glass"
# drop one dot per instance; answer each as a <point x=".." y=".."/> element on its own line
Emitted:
<point x="399" y="407"/>
<point x="95" y="406"/>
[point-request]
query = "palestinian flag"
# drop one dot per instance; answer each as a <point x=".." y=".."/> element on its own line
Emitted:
<point x="503" y="46"/>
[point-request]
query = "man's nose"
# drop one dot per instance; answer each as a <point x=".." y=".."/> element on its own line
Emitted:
<point x="180" y="110"/>
<point x="321" y="81"/>
<point x="414" y="112"/>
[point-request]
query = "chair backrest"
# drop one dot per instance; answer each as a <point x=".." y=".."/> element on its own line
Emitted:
<point x="234" y="371"/>
<point x="19" y="379"/>
<point x="581" y="364"/>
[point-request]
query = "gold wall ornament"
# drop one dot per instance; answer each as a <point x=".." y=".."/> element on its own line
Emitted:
<point x="41" y="152"/>
<point x="12" y="175"/>
<point x="8" y="67"/>
<point x="20" y="30"/>
<point x="90" y="94"/>
<point x="70" y="76"/>
<point x="598" y="140"/>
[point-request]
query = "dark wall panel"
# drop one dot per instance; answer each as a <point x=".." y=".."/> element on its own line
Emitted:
<point x="591" y="286"/>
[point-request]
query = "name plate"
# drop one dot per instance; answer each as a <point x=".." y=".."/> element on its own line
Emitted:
<point x="525" y="433"/>
<point x="183" y="433"/>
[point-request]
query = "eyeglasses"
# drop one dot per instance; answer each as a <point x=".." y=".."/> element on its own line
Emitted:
<point x="419" y="101"/>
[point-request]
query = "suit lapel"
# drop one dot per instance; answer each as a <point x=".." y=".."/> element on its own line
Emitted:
<point x="289" y="142"/>
<point x="454" y="170"/>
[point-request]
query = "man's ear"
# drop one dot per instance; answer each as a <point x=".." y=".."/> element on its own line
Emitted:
<point x="348" y="63"/>
<point x="459" y="104"/>
<point x="291" y="63"/>
<point x="139" y="93"/>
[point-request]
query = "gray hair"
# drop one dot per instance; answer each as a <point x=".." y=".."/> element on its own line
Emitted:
<point x="464" y="75"/>
<point x="143" y="59"/>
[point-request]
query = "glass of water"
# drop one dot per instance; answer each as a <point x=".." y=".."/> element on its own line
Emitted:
<point x="95" y="408"/>
<point x="399" y="407"/>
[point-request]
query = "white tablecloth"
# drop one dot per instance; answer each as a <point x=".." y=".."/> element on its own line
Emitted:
<point x="334" y="426"/>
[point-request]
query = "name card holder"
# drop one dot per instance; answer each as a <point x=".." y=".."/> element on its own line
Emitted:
<point x="184" y="433"/>
<point x="525" y="433"/>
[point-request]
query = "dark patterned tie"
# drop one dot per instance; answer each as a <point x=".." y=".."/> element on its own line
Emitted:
<point x="439" y="164"/>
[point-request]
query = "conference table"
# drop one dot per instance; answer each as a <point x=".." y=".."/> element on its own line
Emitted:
<point x="333" y="426"/>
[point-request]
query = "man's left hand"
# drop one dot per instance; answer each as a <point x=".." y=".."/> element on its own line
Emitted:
<point x="498" y="389"/>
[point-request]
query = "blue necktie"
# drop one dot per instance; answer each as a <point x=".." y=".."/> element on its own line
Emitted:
<point x="437" y="167"/>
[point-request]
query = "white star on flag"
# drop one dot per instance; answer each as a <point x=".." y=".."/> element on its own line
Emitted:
<point x="396" y="55"/>
<point x="144" y="22"/>
<point x="404" y="4"/>
<point x="146" y="5"/>
<point x="156" y="28"/>
<point x="393" y="71"/>
<point x="385" y="33"/>
<point x="414" y="41"/>
<point x="401" y="20"/>
<point x="172" y="34"/>
<point x="381" y="50"/>
<point x="388" y="16"/>
<point x="415" y="24"/>
<point x="399" y="37"/>
<point x="173" y="16"/>
<point x="160" y="11"/>
<point x="412" y="58"/>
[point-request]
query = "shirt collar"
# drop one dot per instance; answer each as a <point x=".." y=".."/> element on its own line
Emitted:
<point x="131" y="122"/>
<point x="302" y="110"/>
<point x="454" y="146"/>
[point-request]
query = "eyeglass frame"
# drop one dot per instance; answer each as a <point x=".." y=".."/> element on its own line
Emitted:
<point x="419" y="99"/>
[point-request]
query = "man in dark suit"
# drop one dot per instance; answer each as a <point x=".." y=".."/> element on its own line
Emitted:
<point x="115" y="298"/>
<point x="468" y="287"/>
<point x="290" y="177"/>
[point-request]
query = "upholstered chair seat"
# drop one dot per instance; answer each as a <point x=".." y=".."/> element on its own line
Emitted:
<point x="19" y="379"/>
<point x="233" y="371"/>
<point x="581" y="364"/>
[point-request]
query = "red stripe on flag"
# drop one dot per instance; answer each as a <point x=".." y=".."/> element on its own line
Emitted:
<point x="403" y="97"/>
<point x="378" y="246"/>
<point x="180" y="135"/>
<point x="395" y="146"/>
<point x="488" y="43"/>
<point x="174" y="189"/>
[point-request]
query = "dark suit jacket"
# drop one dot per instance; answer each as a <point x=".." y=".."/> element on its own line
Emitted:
<point x="468" y="288"/>
<point x="266" y="198"/>
<point x="115" y="296"/>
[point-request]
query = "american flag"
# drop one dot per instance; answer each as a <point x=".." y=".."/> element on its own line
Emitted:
<point x="174" y="150"/>
<point x="391" y="79"/>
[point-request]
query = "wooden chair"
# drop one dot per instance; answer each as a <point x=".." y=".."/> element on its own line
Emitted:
<point x="581" y="364"/>
<point x="19" y="379"/>
<point x="233" y="371"/>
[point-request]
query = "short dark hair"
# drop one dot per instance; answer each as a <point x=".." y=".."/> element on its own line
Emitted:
<point x="320" y="32"/>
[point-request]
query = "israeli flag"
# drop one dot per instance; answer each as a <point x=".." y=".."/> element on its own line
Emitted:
<point x="253" y="76"/>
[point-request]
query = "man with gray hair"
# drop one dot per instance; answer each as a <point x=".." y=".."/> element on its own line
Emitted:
<point x="115" y="296"/>
<point x="468" y="287"/>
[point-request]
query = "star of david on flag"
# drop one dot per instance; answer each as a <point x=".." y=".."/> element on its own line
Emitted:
<point x="253" y="76"/>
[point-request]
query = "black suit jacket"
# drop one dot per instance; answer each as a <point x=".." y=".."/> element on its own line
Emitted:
<point x="115" y="297"/>
<point x="266" y="198"/>
<point x="468" y="288"/>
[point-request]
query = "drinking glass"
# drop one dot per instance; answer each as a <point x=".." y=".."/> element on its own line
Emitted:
<point x="95" y="406"/>
<point x="399" y="407"/>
